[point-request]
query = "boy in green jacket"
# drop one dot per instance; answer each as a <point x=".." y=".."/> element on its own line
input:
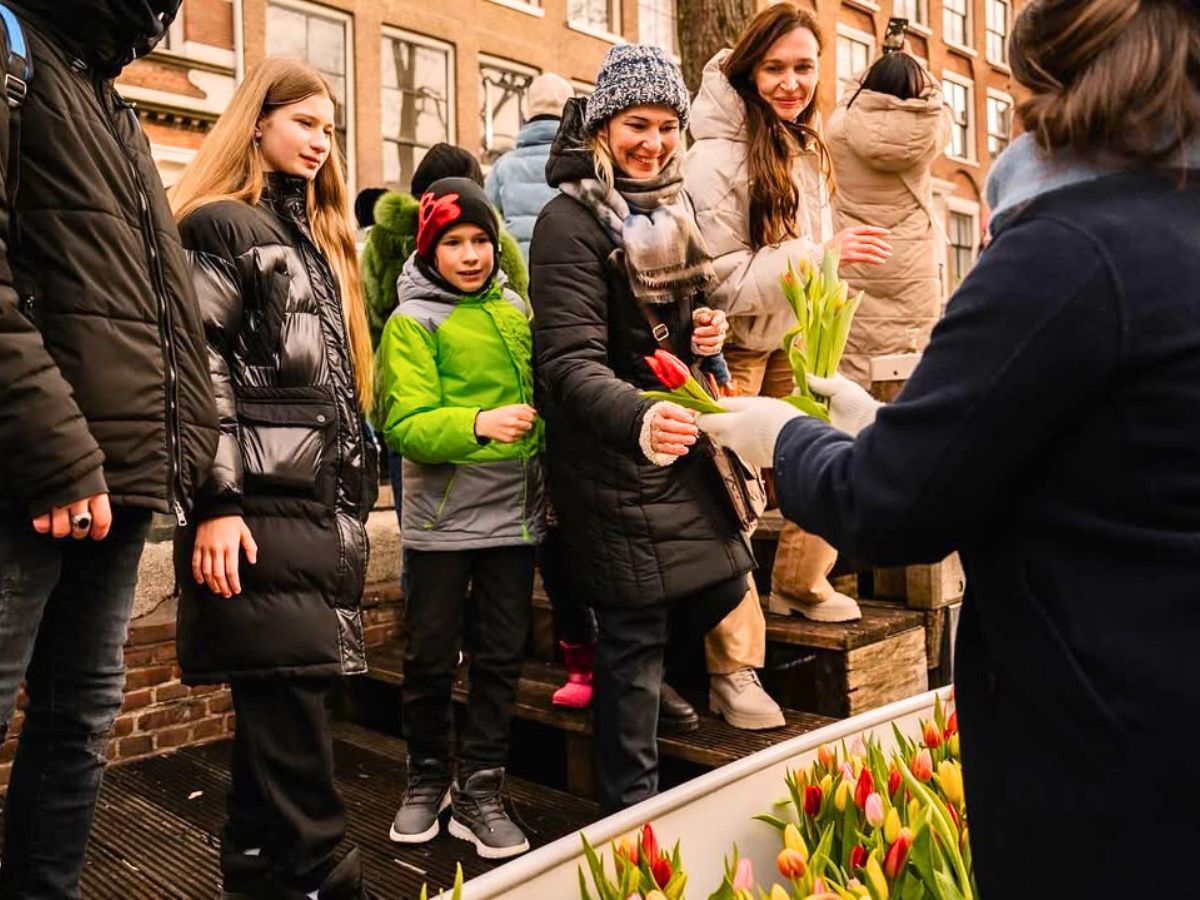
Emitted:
<point x="455" y="365"/>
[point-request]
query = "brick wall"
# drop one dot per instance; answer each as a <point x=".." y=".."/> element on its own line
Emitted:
<point x="160" y="713"/>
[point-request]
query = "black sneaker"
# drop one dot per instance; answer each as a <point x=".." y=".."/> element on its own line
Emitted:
<point x="245" y="874"/>
<point x="427" y="794"/>
<point x="478" y="816"/>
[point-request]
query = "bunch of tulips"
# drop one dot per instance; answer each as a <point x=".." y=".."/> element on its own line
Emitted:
<point x="644" y="871"/>
<point x="824" y="310"/>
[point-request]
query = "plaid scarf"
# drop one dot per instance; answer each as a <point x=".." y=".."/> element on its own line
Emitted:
<point x="653" y="221"/>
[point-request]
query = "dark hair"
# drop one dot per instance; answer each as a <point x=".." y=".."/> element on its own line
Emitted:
<point x="1118" y="76"/>
<point x="364" y="206"/>
<point x="896" y="74"/>
<point x="771" y="141"/>
<point x="444" y="160"/>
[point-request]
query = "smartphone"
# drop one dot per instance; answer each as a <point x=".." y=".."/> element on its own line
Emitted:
<point x="893" y="38"/>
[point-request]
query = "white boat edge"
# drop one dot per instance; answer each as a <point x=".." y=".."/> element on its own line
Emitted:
<point x="708" y="814"/>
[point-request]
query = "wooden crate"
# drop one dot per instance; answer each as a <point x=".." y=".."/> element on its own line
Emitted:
<point x="844" y="669"/>
<point x="925" y="586"/>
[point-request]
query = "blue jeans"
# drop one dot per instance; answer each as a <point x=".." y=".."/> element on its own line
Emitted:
<point x="64" y="619"/>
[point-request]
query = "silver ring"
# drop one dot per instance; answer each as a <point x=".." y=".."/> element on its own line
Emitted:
<point x="81" y="522"/>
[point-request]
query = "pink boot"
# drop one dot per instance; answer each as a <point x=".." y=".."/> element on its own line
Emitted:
<point x="577" y="692"/>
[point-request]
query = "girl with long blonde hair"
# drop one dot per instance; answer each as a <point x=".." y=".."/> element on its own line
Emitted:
<point x="272" y="572"/>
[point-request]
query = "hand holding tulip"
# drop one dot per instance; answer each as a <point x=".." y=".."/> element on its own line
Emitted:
<point x="673" y="430"/>
<point x="506" y="424"/>
<point x="708" y="332"/>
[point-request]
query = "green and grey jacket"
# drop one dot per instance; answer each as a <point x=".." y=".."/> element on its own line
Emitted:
<point x="442" y="360"/>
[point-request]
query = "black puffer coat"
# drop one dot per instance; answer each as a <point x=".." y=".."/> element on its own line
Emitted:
<point x="103" y="380"/>
<point x="640" y="534"/>
<point x="293" y="458"/>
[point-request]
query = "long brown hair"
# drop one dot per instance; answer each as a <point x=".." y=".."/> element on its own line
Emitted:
<point x="230" y="166"/>
<point x="1112" y="76"/>
<point x="771" y="141"/>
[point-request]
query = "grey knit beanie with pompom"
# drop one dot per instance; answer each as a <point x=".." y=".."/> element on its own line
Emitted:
<point x="636" y="75"/>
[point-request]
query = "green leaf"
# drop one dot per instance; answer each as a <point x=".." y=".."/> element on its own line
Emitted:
<point x="946" y="888"/>
<point x="707" y="405"/>
<point x="583" y="891"/>
<point x="809" y="407"/>
<point x="774" y="821"/>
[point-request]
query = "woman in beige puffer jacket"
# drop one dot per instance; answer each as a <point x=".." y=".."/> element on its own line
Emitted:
<point x="884" y="138"/>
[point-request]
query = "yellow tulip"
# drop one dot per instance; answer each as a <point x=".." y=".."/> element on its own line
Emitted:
<point x="842" y="796"/>
<point x="778" y="893"/>
<point x="656" y="895"/>
<point x="793" y="840"/>
<point x="891" y="825"/>
<point x="950" y="778"/>
<point x="875" y="876"/>
<point x="826" y="784"/>
<point x="914" y="810"/>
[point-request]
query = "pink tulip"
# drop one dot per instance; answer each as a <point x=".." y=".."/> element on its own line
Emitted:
<point x="922" y="765"/>
<point x="874" y="810"/>
<point x="744" y="877"/>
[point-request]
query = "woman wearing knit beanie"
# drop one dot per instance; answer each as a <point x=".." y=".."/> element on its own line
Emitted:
<point x="758" y="173"/>
<point x="641" y="509"/>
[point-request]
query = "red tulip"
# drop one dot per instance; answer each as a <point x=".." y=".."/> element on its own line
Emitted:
<point x="897" y="855"/>
<point x="858" y="856"/>
<point x="791" y="864"/>
<point x="669" y="369"/>
<point x="894" y="780"/>
<point x="649" y="843"/>
<point x="812" y="800"/>
<point x="661" y="870"/>
<point x="933" y="738"/>
<point x="922" y="765"/>
<point x="865" y="786"/>
<point x="952" y="724"/>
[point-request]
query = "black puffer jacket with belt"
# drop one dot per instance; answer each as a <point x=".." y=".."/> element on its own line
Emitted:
<point x="293" y="457"/>
<point x="103" y="382"/>
<point x="640" y="534"/>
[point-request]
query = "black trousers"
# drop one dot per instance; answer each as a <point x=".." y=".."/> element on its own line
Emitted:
<point x="282" y="797"/>
<point x="498" y="584"/>
<point x="630" y="650"/>
<point x="573" y="619"/>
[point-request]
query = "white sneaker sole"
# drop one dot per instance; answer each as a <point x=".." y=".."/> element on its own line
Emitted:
<point x="463" y="833"/>
<point x="763" y="722"/>
<point x="427" y="835"/>
<point x="825" y="611"/>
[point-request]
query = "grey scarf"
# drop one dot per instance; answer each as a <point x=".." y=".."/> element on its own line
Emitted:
<point x="653" y="221"/>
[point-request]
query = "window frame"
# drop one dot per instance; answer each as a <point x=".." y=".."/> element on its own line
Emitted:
<point x="673" y="53"/>
<point x="968" y="209"/>
<point x="1002" y="59"/>
<point x="919" y="19"/>
<point x="612" y="34"/>
<point x="968" y="18"/>
<point x="968" y="85"/>
<point x="331" y="13"/>
<point x="858" y="36"/>
<point x="499" y="62"/>
<point x="392" y="32"/>
<point x="1002" y="97"/>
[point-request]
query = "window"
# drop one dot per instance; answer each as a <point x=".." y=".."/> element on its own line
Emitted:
<point x="962" y="246"/>
<point x="658" y="24"/>
<point x="959" y="99"/>
<point x="502" y="88"/>
<point x="595" y="15"/>
<point x="854" y="52"/>
<point x="956" y="22"/>
<point x="916" y="11"/>
<point x="999" y="119"/>
<point x="321" y="37"/>
<point x="998" y="14"/>
<point x="416" y="102"/>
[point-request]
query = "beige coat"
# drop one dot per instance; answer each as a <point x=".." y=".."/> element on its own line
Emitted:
<point x="715" y="175"/>
<point x="883" y="149"/>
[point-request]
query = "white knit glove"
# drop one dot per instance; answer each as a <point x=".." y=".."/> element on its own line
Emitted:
<point x="750" y="427"/>
<point x="851" y="409"/>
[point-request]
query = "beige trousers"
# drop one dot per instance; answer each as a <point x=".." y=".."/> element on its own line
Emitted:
<point x="740" y="639"/>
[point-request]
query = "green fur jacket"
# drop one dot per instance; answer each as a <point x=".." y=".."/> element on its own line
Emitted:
<point x="393" y="239"/>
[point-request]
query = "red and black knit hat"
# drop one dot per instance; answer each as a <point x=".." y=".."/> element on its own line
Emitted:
<point x="450" y="202"/>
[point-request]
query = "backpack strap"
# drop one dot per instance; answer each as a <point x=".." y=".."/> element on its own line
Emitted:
<point x="18" y="72"/>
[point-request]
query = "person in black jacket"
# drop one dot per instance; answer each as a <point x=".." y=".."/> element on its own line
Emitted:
<point x="272" y="575"/>
<point x="1050" y="435"/>
<point x="644" y="517"/>
<point x="106" y="411"/>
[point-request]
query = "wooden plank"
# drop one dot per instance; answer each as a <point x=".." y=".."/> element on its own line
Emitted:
<point x="715" y="744"/>
<point x="877" y="623"/>
<point x="890" y="670"/>
<point x="925" y="586"/>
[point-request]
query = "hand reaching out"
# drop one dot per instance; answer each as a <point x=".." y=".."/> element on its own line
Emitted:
<point x="506" y="424"/>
